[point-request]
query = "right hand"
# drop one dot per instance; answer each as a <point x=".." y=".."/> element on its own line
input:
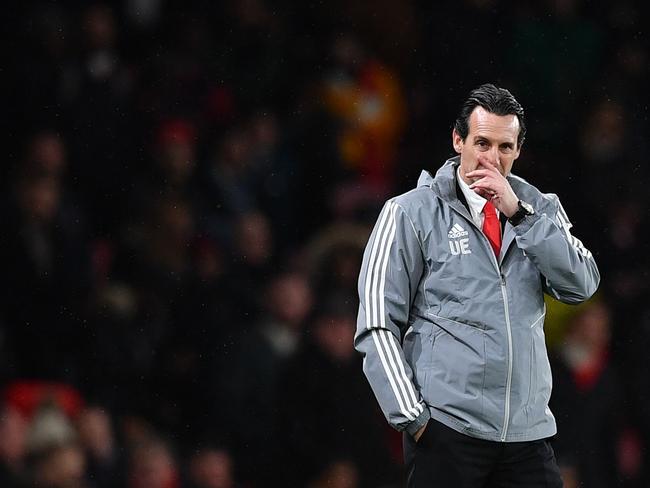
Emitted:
<point x="420" y="431"/>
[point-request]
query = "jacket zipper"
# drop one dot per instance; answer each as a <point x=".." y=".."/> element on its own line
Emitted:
<point x="506" y="415"/>
<point x="504" y="294"/>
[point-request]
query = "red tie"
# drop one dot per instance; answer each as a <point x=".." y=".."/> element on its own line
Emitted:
<point x="492" y="227"/>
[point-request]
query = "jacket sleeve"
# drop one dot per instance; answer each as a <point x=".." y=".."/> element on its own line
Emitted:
<point x="390" y="273"/>
<point x="568" y="268"/>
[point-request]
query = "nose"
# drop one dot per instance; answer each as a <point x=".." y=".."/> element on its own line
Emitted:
<point x="495" y="159"/>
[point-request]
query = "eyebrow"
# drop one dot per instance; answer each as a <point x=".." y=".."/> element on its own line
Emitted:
<point x="484" y="138"/>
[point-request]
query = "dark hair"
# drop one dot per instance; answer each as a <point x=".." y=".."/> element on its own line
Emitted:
<point x="498" y="101"/>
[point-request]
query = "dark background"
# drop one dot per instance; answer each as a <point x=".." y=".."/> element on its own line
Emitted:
<point x="187" y="189"/>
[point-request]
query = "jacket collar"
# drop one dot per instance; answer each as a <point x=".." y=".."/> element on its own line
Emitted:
<point x="444" y="185"/>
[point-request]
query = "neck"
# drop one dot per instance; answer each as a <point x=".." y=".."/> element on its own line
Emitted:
<point x="461" y="171"/>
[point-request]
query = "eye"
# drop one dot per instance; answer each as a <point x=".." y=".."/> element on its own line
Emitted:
<point x="506" y="148"/>
<point x="482" y="144"/>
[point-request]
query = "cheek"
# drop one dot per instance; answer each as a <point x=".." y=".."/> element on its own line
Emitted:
<point x="470" y="155"/>
<point x="468" y="160"/>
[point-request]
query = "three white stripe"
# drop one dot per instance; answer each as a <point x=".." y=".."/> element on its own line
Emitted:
<point x="376" y="315"/>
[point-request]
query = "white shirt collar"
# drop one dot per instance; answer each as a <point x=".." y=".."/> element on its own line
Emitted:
<point x="475" y="201"/>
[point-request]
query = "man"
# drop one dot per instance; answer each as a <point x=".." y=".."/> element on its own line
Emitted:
<point x="452" y="309"/>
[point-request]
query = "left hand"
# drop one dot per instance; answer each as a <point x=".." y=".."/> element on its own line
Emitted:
<point x="493" y="186"/>
<point x="420" y="431"/>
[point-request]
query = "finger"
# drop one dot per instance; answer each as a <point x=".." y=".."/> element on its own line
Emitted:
<point x="478" y="172"/>
<point x="486" y="192"/>
<point x="483" y="183"/>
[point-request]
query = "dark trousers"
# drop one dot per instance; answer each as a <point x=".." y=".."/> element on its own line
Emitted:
<point x="445" y="458"/>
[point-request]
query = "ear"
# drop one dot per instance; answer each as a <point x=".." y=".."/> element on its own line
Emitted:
<point x="517" y="152"/>
<point x="457" y="141"/>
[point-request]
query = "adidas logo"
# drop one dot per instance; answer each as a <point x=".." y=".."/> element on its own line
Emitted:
<point x="456" y="231"/>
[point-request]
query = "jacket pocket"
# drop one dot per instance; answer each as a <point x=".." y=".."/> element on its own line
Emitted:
<point x="456" y="380"/>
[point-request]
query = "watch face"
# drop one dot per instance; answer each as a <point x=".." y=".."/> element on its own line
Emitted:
<point x="527" y="207"/>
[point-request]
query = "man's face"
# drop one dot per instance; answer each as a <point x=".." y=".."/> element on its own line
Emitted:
<point x="491" y="138"/>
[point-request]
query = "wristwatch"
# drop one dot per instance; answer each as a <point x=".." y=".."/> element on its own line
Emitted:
<point x="525" y="209"/>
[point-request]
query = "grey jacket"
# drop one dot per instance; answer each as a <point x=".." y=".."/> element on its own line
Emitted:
<point x="450" y="332"/>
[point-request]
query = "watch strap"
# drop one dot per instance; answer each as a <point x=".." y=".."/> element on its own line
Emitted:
<point x="519" y="215"/>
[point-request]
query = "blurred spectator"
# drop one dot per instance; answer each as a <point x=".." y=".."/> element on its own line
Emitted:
<point x="144" y="13"/>
<point x="152" y="465"/>
<point x="252" y="255"/>
<point x="13" y="435"/>
<point x="627" y="286"/>
<point x="639" y="393"/>
<point x="366" y="96"/>
<point x="334" y="257"/>
<point x="338" y="474"/>
<point x="175" y="84"/>
<point x="98" y="441"/>
<point x="171" y="173"/>
<point x="250" y="378"/>
<point x="254" y="240"/>
<point x="629" y="70"/>
<point x="61" y="466"/>
<point x="132" y="321"/>
<point x="139" y="308"/>
<point x="56" y="460"/>
<point x="166" y="251"/>
<point x="278" y="176"/>
<point x="46" y="258"/>
<point x="252" y="51"/>
<point x="176" y="157"/>
<point x="230" y="173"/>
<point x="212" y="468"/>
<point x="97" y="100"/>
<point x="49" y="427"/>
<point x="605" y="143"/>
<point x="251" y="170"/>
<point x="47" y="153"/>
<point x="161" y="289"/>
<point x="29" y="395"/>
<point x="586" y="401"/>
<point x="326" y="409"/>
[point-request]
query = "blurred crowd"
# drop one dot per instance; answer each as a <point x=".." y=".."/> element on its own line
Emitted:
<point x="187" y="190"/>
